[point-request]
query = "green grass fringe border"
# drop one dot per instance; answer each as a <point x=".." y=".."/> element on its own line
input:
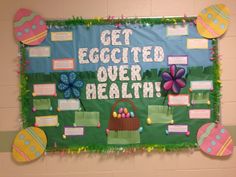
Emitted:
<point x="126" y="148"/>
<point x="123" y="21"/>
<point x="216" y="80"/>
<point x="25" y="93"/>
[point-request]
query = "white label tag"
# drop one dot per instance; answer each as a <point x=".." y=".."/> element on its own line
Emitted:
<point x="177" y="30"/>
<point x="178" y="100"/>
<point x="44" y="90"/>
<point x="73" y="131"/>
<point x="46" y="121"/>
<point x="197" y="43"/>
<point x="178" y="60"/>
<point x="200" y="114"/>
<point x="177" y="128"/>
<point x="63" y="64"/>
<point x="61" y="36"/>
<point x="201" y="85"/>
<point x="43" y="51"/>
<point x="68" y="104"/>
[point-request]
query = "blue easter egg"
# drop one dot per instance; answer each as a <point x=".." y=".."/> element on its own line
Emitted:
<point x="140" y="129"/>
<point x="131" y="114"/>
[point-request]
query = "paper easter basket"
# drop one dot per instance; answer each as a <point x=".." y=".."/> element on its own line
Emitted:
<point x="123" y="123"/>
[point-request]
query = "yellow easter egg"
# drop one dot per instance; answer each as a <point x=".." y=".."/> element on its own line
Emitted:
<point x="29" y="144"/>
<point x="149" y="121"/>
<point x="114" y="114"/>
<point x="213" y="21"/>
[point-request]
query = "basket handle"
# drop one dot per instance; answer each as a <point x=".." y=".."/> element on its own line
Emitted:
<point x="123" y="100"/>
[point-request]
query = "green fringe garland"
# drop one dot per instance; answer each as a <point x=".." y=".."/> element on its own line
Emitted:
<point x="127" y="148"/>
<point x="216" y="80"/>
<point x="110" y="21"/>
<point x="25" y="92"/>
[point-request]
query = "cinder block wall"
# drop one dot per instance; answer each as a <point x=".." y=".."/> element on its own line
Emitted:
<point x="183" y="164"/>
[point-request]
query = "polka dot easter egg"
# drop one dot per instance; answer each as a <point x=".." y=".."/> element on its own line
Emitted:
<point x="29" y="27"/>
<point x="213" y="21"/>
<point x="29" y="144"/>
<point x="214" y="140"/>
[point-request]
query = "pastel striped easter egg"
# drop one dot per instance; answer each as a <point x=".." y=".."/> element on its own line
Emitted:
<point x="214" y="139"/>
<point x="213" y="21"/>
<point x="29" y="144"/>
<point x="29" y="27"/>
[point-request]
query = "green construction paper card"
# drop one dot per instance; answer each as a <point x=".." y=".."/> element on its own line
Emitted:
<point x="86" y="119"/>
<point x="160" y="114"/>
<point x="42" y="104"/>
<point x="123" y="137"/>
<point x="200" y="98"/>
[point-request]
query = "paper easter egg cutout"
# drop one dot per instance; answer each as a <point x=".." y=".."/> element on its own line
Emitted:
<point x="213" y="21"/>
<point x="29" y="144"/>
<point x="29" y="27"/>
<point x="214" y="140"/>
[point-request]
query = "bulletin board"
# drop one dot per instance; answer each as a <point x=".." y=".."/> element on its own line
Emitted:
<point x="109" y="84"/>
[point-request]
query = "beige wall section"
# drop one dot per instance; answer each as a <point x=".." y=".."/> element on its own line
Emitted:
<point x="183" y="164"/>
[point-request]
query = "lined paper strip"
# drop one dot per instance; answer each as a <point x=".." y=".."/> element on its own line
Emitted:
<point x="68" y="104"/>
<point x="73" y="131"/>
<point x="63" y="64"/>
<point x="42" y="51"/>
<point x="61" y="36"/>
<point x="197" y="43"/>
<point x="46" y="121"/>
<point x="179" y="100"/>
<point x="177" y="128"/>
<point x="178" y="60"/>
<point x="44" y="90"/>
<point x="200" y="114"/>
<point x="201" y="85"/>
<point x="177" y="30"/>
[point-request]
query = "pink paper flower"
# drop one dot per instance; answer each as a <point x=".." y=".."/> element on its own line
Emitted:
<point x="173" y="80"/>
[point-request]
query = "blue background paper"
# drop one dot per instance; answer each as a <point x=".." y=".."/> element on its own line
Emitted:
<point x="142" y="36"/>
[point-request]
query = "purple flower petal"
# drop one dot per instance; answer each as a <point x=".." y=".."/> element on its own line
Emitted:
<point x="166" y="76"/>
<point x="168" y="85"/>
<point x="172" y="70"/>
<point x="180" y="73"/>
<point x="175" y="87"/>
<point x="180" y="82"/>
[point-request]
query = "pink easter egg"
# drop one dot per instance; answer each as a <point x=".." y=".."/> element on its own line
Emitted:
<point x="127" y="115"/>
<point x="29" y="27"/>
<point x="107" y="131"/>
<point x="123" y="115"/>
<point x="121" y="110"/>
<point x="214" y="139"/>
